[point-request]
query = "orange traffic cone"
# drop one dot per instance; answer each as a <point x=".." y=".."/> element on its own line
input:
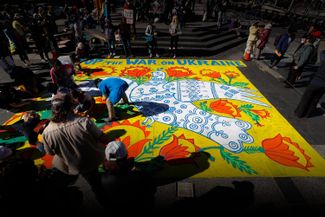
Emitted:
<point x="247" y="56"/>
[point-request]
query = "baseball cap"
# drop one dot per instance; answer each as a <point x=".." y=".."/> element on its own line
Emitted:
<point x="115" y="150"/>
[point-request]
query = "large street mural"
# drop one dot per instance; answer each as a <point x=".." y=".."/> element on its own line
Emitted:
<point x="204" y="113"/>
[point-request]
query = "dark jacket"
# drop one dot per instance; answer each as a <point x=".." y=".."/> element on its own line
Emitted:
<point x="319" y="76"/>
<point x="284" y="43"/>
<point x="303" y="55"/>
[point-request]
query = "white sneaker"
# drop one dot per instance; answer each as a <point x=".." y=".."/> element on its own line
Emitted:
<point x="174" y="56"/>
<point x="157" y="55"/>
<point x="150" y="55"/>
<point x="43" y="60"/>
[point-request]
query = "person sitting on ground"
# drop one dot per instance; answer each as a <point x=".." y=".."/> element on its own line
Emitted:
<point x="24" y="76"/>
<point x="32" y="127"/>
<point x="84" y="102"/>
<point x="12" y="98"/>
<point x="314" y="91"/>
<point x="113" y="90"/>
<point x="123" y="183"/>
<point x="300" y="60"/>
<point x="61" y="75"/>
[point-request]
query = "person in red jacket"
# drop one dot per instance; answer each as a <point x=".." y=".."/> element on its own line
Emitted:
<point x="263" y="38"/>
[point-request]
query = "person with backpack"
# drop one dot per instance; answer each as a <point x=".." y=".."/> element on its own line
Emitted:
<point x="300" y="60"/>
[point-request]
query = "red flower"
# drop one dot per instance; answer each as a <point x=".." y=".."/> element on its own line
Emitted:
<point x="262" y="113"/>
<point x="225" y="107"/>
<point x="179" y="72"/>
<point x="286" y="152"/>
<point x="139" y="139"/>
<point x="174" y="150"/>
<point x="134" y="149"/>
<point x="210" y="73"/>
<point x="231" y="74"/>
<point x="137" y="71"/>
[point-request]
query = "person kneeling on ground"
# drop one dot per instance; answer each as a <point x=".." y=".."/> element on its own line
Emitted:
<point x="84" y="102"/>
<point x="61" y="75"/>
<point x="32" y="127"/>
<point x="113" y="90"/>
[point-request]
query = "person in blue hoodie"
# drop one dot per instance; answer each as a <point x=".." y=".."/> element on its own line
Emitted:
<point x="313" y="92"/>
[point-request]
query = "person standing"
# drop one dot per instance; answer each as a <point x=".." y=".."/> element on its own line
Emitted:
<point x="263" y="38"/>
<point x="281" y="47"/>
<point x="314" y="91"/>
<point x="6" y="60"/>
<point x="125" y="33"/>
<point x="251" y="41"/>
<point x="109" y="30"/>
<point x="76" y="143"/>
<point x="174" y="31"/>
<point x="129" y="15"/>
<point x="300" y="60"/>
<point x="20" y="33"/>
<point x="151" y="40"/>
<point x="39" y="38"/>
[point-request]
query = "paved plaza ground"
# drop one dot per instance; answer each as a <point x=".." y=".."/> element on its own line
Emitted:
<point x="291" y="196"/>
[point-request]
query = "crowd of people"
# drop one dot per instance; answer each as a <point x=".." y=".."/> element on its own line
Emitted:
<point x="305" y="54"/>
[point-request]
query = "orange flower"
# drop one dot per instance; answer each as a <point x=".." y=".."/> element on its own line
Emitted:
<point x="174" y="150"/>
<point x="136" y="71"/>
<point x="210" y="73"/>
<point x="286" y="152"/>
<point x="179" y="72"/>
<point x="225" y="107"/>
<point x="136" y="143"/>
<point x="231" y="74"/>
<point x="134" y="149"/>
<point x="262" y="113"/>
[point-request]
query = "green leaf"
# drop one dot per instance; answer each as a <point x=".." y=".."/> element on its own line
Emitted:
<point x="253" y="149"/>
<point x="240" y="84"/>
<point x="222" y="80"/>
<point x="246" y="107"/>
<point x="236" y="162"/>
<point x="155" y="144"/>
<point x="252" y="115"/>
<point x="204" y="107"/>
